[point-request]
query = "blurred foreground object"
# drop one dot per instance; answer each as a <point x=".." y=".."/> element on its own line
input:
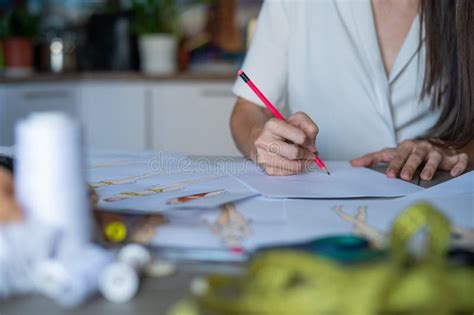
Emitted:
<point x="50" y="250"/>
<point x="278" y="281"/>
<point x="9" y="208"/>
<point x="49" y="176"/>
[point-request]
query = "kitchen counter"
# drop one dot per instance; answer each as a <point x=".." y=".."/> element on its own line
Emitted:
<point x="115" y="76"/>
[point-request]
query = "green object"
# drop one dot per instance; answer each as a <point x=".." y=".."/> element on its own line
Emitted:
<point x="155" y="17"/>
<point x="159" y="16"/>
<point x="19" y="23"/>
<point x="295" y="282"/>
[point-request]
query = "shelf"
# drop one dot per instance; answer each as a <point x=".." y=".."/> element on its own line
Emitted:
<point x="115" y="76"/>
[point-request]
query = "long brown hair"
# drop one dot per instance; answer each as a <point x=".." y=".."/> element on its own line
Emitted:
<point x="449" y="72"/>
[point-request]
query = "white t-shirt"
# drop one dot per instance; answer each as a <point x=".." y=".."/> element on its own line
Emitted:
<point x="322" y="57"/>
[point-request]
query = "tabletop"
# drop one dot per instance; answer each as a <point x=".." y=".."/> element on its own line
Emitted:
<point x="156" y="294"/>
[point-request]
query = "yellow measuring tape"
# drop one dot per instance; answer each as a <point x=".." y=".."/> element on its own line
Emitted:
<point x="290" y="282"/>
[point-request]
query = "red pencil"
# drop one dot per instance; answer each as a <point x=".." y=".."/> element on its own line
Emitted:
<point x="274" y="111"/>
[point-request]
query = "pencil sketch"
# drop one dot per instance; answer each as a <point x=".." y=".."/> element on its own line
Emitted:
<point x="123" y="181"/>
<point x="158" y="189"/>
<point x="461" y="237"/>
<point x="361" y="227"/>
<point x="188" y="198"/>
<point x="231" y="226"/>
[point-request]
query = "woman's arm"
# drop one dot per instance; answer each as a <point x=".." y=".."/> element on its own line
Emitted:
<point x="247" y="121"/>
<point x="278" y="147"/>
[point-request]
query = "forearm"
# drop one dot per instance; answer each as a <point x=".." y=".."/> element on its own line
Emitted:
<point x="246" y="123"/>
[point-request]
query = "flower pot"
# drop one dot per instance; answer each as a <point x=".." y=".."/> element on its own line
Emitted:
<point x="18" y="56"/>
<point x="158" y="54"/>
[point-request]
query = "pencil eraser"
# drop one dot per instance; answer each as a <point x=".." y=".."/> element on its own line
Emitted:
<point x="240" y="72"/>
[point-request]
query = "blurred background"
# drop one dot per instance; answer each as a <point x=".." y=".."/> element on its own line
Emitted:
<point x="138" y="74"/>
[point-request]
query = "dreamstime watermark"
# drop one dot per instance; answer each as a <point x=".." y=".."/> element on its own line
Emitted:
<point x="163" y="163"/>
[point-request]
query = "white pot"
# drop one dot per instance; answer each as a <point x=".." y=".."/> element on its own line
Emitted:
<point x="158" y="54"/>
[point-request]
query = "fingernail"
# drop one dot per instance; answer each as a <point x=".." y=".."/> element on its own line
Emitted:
<point x="456" y="171"/>
<point x="391" y="172"/>
<point x="406" y="174"/>
<point x="426" y="175"/>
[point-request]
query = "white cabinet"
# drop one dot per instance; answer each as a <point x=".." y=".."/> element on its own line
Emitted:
<point x="20" y="100"/>
<point x="193" y="117"/>
<point x="183" y="116"/>
<point x="114" y="115"/>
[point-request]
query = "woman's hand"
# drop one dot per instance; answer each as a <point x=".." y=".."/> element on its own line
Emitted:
<point x="9" y="209"/>
<point x="285" y="148"/>
<point x="410" y="155"/>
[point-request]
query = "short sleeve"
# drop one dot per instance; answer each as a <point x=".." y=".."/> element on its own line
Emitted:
<point x="266" y="60"/>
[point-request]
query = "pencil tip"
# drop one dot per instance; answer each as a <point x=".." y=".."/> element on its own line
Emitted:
<point x="328" y="173"/>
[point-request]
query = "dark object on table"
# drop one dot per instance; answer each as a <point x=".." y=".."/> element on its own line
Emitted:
<point x="6" y="162"/>
<point x="109" y="43"/>
<point x="346" y="249"/>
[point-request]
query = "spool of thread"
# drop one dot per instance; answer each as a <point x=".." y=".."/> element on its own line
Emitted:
<point x="50" y="183"/>
<point x="72" y="280"/>
<point x="120" y="281"/>
<point x="19" y="254"/>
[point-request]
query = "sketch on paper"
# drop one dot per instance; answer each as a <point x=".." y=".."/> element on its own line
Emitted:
<point x="231" y="226"/>
<point x="461" y="237"/>
<point x="188" y="198"/>
<point x="117" y="163"/>
<point x="158" y="189"/>
<point x="361" y="227"/>
<point x="123" y="181"/>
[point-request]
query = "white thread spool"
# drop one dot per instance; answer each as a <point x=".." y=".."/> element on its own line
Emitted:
<point x="120" y="281"/>
<point x="50" y="183"/>
<point x="70" y="281"/>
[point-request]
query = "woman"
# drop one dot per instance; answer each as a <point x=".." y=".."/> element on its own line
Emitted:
<point x="361" y="76"/>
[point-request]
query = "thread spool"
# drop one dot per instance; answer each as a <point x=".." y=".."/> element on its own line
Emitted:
<point x="72" y="280"/>
<point x="50" y="183"/>
<point x="120" y="281"/>
<point x="19" y="254"/>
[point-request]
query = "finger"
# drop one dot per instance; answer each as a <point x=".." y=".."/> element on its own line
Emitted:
<point x="286" y="131"/>
<point x="385" y="155"/>
<point x="274" y="161"/>
<point x="414" y="160"/>
<point x="461" y="165"/>
<point x="275" y="171"/>
<point x="288" y="150"/>
<point x="309" y="127"/>
<point x="401" y="155"/>
<point x="434" y="160"/>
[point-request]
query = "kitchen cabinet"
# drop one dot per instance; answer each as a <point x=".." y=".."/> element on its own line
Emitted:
<point x="114" y="115"/>
<point x="20" y="100"/>
<point x="188" y="116"/>
<point x="193" y="118"/>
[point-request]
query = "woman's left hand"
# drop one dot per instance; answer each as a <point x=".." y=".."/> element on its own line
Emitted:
<point x="411" y="154"/>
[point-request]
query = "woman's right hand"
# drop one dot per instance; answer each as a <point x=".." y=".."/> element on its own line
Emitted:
<point x="286" y="148"/>
<point x="9" y="208"/>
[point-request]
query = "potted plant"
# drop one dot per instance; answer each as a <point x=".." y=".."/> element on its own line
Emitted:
<point x="17" y="30"/>
<point x="157" y="27"/>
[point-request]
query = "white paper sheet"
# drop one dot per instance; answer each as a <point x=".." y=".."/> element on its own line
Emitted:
<point x="132" y="182"/>
<point x="344" y="182"/>
<point x="277" y="222"/>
